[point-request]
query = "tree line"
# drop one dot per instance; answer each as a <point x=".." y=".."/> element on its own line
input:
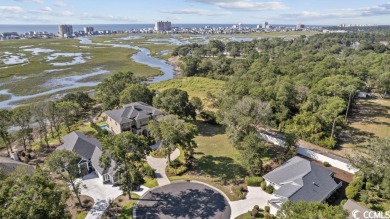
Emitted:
<point x="306" y="85"/>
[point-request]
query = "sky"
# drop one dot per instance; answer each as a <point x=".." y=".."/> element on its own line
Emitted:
<point x="310" y="12"/>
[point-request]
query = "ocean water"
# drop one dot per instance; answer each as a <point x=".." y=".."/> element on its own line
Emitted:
<point x="54" y="28"/>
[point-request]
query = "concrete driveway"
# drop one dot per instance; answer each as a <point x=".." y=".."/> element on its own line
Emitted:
<point x="159" y="164"/>
<point x="255" y="196"/>
<point x="101" y="193"/>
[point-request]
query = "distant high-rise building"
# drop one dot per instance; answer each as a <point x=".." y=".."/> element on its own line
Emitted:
<point x="88" y="30"/>
<point x="265" y="25"/>
<point x="300" y="26"/>
<point x="162" y="26"/>
<point x="65" y="30"/>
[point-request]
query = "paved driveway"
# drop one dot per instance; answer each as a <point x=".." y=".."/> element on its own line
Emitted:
<point x="101" y="193"/>
<point x="159" y="164"/>
<point x="255" y="196"/>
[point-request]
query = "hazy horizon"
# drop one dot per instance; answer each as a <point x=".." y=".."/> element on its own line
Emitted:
<point x="310" y="12"/>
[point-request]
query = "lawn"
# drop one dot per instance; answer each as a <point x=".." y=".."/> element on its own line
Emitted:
<point x="369" y="119"/>
<point x="195" y="86"/>
<point x="122" y="207"/>
<point x="217" y="161"/>
<point x="150" y="182"/>
<point x="248" y="216"/>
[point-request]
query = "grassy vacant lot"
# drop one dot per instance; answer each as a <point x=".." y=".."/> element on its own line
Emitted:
<point x="195" y="86"/>
<point x="370" y="118"/>
<point x="217" y="161"/>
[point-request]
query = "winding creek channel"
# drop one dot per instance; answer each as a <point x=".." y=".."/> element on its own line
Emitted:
<point x="61" y="84"/>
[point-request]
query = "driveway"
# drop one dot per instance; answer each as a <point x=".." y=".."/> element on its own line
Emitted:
<point x="159" y="164"/>
<point x="101" y="193"/>
<point x="255" y="196"/>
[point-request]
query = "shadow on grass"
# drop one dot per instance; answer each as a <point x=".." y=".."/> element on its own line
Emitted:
<point x="206" y="129"/>
<point x="222" y="168"/>
<point x="354" y="136"/>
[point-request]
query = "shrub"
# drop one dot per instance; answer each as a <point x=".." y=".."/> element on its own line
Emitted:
<point x="354" y="187"/>
<point x="86" y="201"/>
<point x="327" y="164"/>
<point x="351" y="192"/>
<point x="263" y="185"/>
<point x="176" y="171"/>
<point x="269" y="189"/>
<point x="254" y="212"/>
<point x="147" y="170"/>
<point x="238" y="191"/>
<point x="120" y="200"/>
<point x="175" y="164"/>
<point x="253" y="181"/>
<point x="268" y="216"/>
<point x="256" y="207"/>
<point x="267" y="209"/>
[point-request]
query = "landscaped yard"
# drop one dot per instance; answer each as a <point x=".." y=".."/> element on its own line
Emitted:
<point x="248" y="216"/>
<point x="75" y="210"/>
<point x="122" y="207"/>
<point x="370" y="118"/>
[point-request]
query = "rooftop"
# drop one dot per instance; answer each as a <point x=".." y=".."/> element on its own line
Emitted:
<point x="133" y="111"/>
<point x="302" y="180"/>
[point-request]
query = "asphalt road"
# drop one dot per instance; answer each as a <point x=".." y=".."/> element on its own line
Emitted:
<point x="183" y="200"/>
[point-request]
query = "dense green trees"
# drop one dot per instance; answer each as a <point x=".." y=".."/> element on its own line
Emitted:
<point x="34" y="195"/>
<point x="309" y="82"/>
<point x="172" y="132"/>
<point x="373" y="163"/>
<point x="5" y="123"/>
<point x="174" y="101"/>
<point x="313" y="210"/>
<point x="108" y="92"/>
<point x="136" y="93"/>
<point x="21" y="117"/>
<point x="127" y="150"/>
<point x="65" y="164"/>
<point x="80" y="98"/>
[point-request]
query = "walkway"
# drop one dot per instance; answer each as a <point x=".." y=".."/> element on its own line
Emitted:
<point x="255" y="196"/>
<point x="159" y="164"/>
<point x="92" y="186"/>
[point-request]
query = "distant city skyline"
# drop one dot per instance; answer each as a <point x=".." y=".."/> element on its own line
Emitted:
<point x="309" y="12"/>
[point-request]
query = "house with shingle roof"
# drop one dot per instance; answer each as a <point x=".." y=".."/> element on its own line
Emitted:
<point x="90" y="151"/>
<point x="132" y="117"/>
<point x="8" y="165"/>
<point x="300" y="180"/>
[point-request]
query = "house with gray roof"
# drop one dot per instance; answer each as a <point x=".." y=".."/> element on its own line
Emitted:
<point x="8" y="165"/>
<point x="90" y="151"/>
<point x="132" y="117"/>
<point x="300" y="180"/>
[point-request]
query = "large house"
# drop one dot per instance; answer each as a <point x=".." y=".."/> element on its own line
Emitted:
<point x="132" y="117"/>
<point x="90" y="151"/>
<point x="300" y="180"/>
